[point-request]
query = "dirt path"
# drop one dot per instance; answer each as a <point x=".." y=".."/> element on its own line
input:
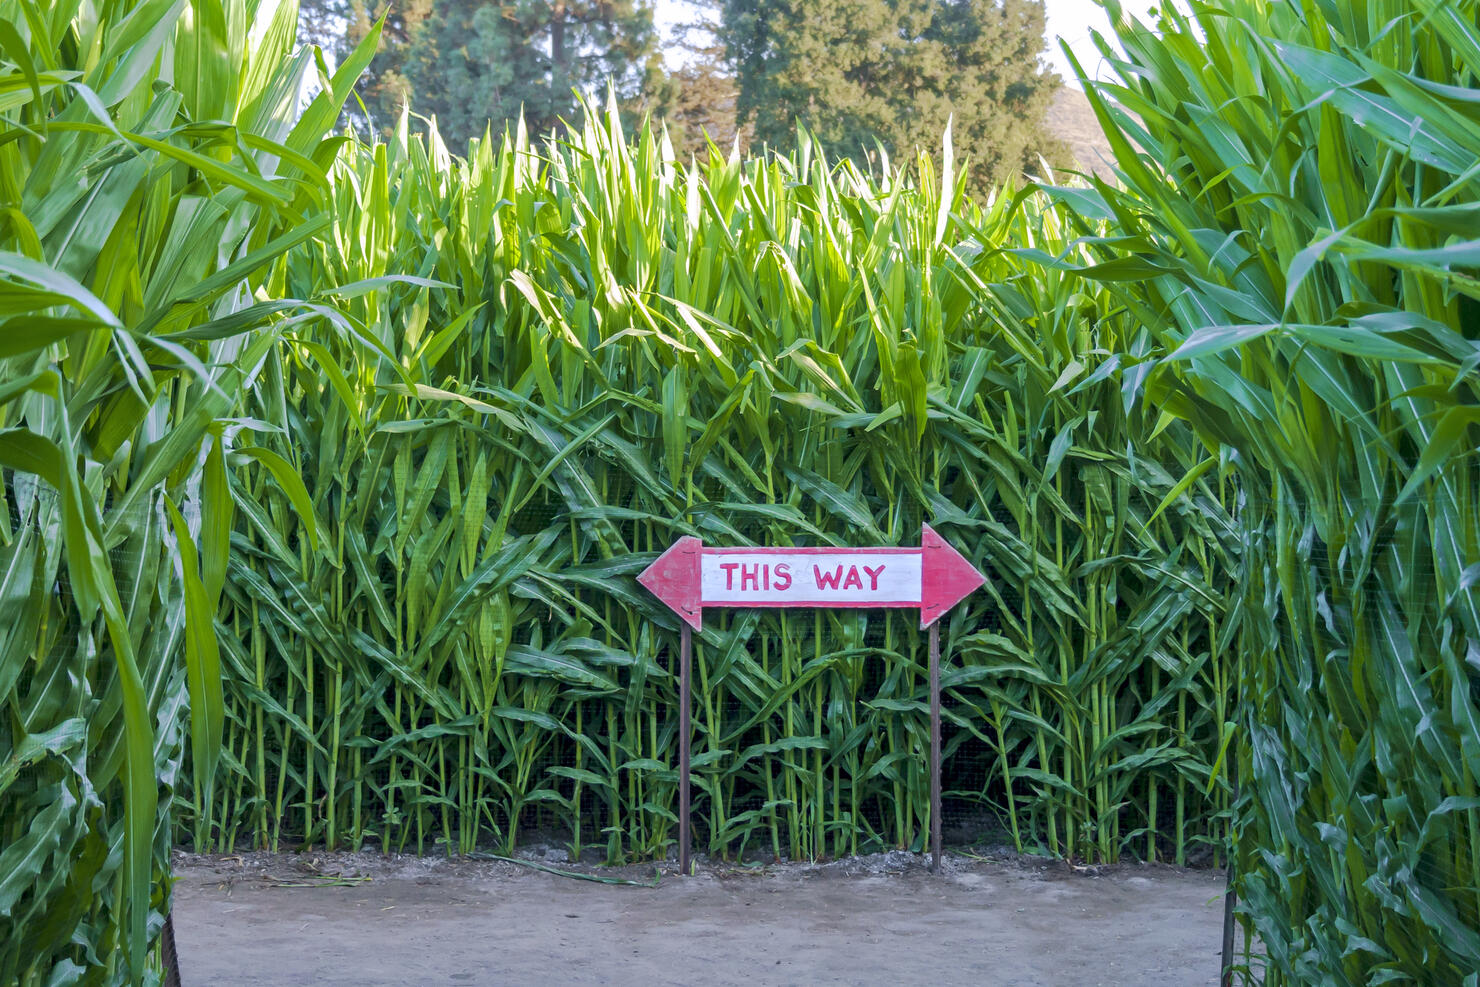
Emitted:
<point x="880" y="919"/>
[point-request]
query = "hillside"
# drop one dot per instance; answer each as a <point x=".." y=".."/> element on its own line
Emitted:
<point x="1072" y="121"/>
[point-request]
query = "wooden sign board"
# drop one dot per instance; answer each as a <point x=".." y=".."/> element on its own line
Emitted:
<point x="689" y="577"/>
<point x="934" y="577"/>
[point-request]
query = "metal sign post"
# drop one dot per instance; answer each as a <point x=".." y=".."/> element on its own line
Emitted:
<point x="934" y="748"/>
<point x="685" y="662"/>
<point x="688" y="577"/>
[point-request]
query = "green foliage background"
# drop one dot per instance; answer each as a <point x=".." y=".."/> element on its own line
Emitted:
<point x="866" y="75"/>
<point x="860" y="75"/>
<point x="480" y="66"/>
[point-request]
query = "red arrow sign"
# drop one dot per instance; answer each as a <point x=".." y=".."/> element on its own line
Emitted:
<point x="689" y="577"/>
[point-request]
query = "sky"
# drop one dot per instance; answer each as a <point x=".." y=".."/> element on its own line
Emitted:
<point x="1073" y="20"/>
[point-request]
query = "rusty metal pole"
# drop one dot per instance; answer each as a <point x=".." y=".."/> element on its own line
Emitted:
<point x="686" y="648"/>
<point x="1230" y="902"/>
<point x="934" y="748"/>
<point x="167" y="951"/>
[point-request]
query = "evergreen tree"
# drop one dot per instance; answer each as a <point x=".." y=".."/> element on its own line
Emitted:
<point x="856" y="71"/>
<point x="325" y="23"/>
<point x="698" y="102"/>
<point x="700" y="105"/>
<point x="470" y="63"/>
<point x="383" y="88"/>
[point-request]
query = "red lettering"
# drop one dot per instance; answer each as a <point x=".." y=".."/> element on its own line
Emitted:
<point x="749" y="574"/>
<point x="826" y="580"/>
<point x="766" y="575"/>
<point x="783" y="575"/>
<point x="853" y="582"/>
<point x="873" y="576"/>
<point x="729" y="568"/>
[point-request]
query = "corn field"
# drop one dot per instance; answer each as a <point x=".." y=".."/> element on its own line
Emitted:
<point x="334" y="463"/>
<point x="599" y="349"/>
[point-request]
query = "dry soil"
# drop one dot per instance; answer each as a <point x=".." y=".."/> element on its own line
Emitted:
<point x="364" y="919"/>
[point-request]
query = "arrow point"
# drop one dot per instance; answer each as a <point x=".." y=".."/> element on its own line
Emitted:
<point x="674" y="577"/>
<point x="946" y="578"/>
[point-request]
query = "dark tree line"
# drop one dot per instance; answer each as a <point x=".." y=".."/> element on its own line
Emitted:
<point x="859" y="74"/>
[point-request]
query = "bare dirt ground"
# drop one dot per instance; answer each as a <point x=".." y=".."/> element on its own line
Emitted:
<point x="367" y="919"/>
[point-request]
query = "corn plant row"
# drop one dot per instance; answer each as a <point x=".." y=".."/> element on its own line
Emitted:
<point x="1296" y="229"/>
<point x="549" y="358"/>
<point x="152" y="167"/>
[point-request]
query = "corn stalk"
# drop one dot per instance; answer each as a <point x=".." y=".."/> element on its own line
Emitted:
<point x="1297" y="231"/>
<point x="155" y="162"/>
